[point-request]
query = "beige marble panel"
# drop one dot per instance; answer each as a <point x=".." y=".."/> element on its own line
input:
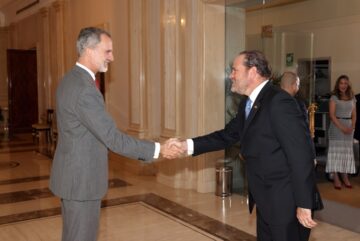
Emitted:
<point x="138" y="76"/>
<point x="153" y="67"/>
<point x="176" y="32"/>
<point x="171" y="62"/>
<point x="12" y="36"/>
<point x="193" y="85"/>
<point x="213" y="86"/>
<point x="43" y="53"/>
<point x="59" y="38"/>
<point x="212" y="91"/>
<point x="235" y="33"/>
<point x="26" y="32"/>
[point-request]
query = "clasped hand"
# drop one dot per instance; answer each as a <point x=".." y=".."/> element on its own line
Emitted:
<point x="173" y="148"/>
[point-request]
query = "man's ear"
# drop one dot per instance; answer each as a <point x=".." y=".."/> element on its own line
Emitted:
<point x="253" y="71"/>
<point x="88" y="51"/>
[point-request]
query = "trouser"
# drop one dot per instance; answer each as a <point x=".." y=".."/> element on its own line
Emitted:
<point x="292" y="231"/>
<point x="80" y="220"/>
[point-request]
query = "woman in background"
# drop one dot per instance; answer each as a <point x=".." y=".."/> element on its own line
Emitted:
<point x="342" y="111"/>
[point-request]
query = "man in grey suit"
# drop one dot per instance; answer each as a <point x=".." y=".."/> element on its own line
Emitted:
<point x="79" y="174"/>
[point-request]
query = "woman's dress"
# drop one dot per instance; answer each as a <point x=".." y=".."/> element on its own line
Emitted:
<point x="340" y="157"/>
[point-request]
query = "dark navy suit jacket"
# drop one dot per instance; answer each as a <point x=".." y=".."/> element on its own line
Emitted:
<point x="274" y="141"/>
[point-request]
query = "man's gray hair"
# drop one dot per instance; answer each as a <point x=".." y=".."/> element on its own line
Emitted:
<point x="88" y="38"/>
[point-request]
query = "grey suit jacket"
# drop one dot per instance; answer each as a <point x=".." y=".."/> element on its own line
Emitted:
<point x="86" y="132"/>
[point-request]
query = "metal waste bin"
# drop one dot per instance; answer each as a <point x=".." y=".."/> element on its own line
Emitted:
<point x="223" y="181"/>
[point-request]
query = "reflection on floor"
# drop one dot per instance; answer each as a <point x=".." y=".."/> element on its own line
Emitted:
<point x="342" y="206"/>
<point x="345" y="195"/>
<point x="135" y="207"/>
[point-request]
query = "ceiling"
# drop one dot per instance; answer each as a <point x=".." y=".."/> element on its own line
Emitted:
<point x="247" y="4"/>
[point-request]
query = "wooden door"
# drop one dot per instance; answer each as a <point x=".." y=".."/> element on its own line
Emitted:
<point x="23" y="95"/>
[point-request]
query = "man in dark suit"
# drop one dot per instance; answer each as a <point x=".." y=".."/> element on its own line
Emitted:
<point x="290" y="82"/>
<point x="274" y="143"/>
<point x="79" y="174"/>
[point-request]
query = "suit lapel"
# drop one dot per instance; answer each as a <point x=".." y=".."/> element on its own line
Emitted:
<point x="85" y="75"/>
<point x="255" y="108"/>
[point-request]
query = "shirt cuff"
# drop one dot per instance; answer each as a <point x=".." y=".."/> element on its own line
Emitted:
<point x="157" y="150"/>
<point x="190" y="146"/>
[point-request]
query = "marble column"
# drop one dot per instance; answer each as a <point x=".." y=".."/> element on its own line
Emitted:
<point x="193" y="86"/>
<point x="138" y="123"/>
<point x="59" y="39"/>
<point x="43" y="51"/>
<point x="176" y="68"/>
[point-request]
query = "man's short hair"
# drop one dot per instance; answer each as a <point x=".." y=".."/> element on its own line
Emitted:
<point x="255" y="58"/>
<point x="88" y="38"/>
<point x="288" y="78"/>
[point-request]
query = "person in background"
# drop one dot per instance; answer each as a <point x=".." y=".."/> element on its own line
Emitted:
<point x="79" y="173"/>
<point x="290" y="82"/>
<point x="342" y="112"/>
<point x="274" y="143"/>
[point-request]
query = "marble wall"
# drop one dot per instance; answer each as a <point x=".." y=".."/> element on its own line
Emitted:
<point x="183" y="90"/>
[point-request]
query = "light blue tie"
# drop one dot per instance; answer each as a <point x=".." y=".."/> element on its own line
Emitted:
<point x="247" y="107"/>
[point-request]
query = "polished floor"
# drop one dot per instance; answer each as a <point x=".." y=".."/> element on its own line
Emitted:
<point x="135" y="208"/>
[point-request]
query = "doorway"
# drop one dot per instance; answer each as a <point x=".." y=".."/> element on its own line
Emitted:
<point x="22" y="90"/>
<point x="317" y="72"/>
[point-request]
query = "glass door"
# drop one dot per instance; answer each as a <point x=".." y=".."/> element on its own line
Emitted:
<point x="285" y="50"/>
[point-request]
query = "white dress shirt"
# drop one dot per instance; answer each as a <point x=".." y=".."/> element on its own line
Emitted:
<point x="252" y="96"/>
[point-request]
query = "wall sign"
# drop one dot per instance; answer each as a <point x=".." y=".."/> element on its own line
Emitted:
<point x="289" y="59"/>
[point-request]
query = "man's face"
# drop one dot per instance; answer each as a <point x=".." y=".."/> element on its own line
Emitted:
<point x="239" y="76"/>
<point x="102" y="54"/>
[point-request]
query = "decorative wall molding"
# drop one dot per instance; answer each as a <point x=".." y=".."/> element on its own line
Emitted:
<point x="26" y="7"/>
<point x="44" y="63"/>
<point x="57" y="23"/>
<point x="138" y="123"/>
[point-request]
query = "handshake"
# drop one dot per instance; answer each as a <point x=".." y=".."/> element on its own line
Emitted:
<point x="173" y="148"/>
